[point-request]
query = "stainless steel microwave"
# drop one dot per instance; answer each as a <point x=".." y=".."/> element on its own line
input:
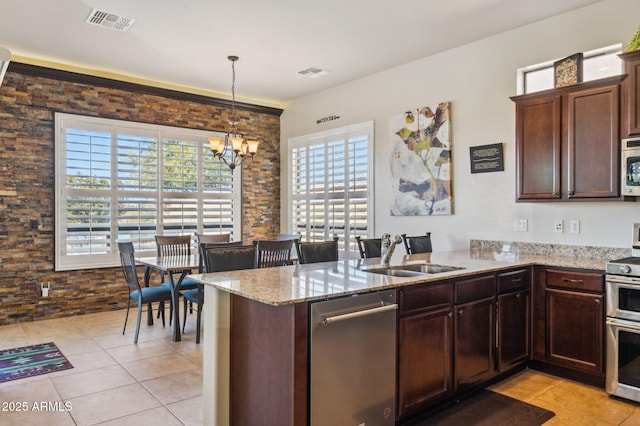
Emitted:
<point x="630" y="166"/>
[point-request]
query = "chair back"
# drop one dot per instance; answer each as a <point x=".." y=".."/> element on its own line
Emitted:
<point x="203" y="246"/>
<point x="218" y="258"/>
<point x="369" y="247"/>
<point x="212" y="238"/>
<point x="323" y="251"/>
<point x="273" y="252"/>
<point x="128" y="262"/>
<point x="417" y="244"/>
<point x="173" y="245"/>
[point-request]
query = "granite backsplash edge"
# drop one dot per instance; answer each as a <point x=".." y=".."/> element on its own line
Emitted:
<point x="585" y="252"/>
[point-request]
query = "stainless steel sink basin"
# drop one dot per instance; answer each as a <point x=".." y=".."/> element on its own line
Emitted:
<point x="414" y="270"/>
<point x="395" y="272"/>
<point x="430" y="268"/>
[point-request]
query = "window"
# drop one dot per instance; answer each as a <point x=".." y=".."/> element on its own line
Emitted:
<point x="596" y="64"/>
<point x="330" y="181"/>
<point x="117" y="180"/>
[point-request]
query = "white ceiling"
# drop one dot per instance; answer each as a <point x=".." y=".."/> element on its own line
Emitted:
<point x="185" y="43"/>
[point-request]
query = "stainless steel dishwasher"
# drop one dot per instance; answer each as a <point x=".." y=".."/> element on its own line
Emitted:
<point x="353" y="360"/>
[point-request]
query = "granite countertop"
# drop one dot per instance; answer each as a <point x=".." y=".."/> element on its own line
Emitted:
<point x="303" y="283"/>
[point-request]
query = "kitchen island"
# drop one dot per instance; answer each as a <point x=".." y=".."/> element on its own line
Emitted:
<point x="261" y="317"/>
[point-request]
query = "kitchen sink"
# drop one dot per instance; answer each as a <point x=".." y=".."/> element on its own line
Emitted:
<point x="413" y="270"/>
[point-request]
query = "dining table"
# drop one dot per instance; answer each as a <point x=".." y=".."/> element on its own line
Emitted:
<point x="177" y="268"/>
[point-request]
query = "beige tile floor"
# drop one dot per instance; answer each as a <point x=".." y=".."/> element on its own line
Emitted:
<point x="157" y="381"/>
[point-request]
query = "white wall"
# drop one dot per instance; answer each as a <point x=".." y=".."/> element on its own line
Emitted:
<point x="478" y="79"/>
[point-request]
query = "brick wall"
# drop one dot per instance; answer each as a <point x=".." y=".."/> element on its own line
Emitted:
<point x="27" y="107"/>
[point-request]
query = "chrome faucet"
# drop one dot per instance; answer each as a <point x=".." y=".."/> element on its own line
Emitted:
<point x="387" y="246"/>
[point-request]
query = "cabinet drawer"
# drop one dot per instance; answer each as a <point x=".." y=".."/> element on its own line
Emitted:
<point x="425" y="296"/>
<point x="584" y="281"/>
<point x="475" y="288"/>
<point x="513" y="280"/>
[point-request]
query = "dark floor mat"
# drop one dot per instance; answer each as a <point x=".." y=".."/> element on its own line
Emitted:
<point x="491" y="409"/>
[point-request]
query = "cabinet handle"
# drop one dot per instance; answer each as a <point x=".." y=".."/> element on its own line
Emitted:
<point x="516" y="280"/>
<point x="555" y="194"/>
<point x="570" y="281"/>
<point x="597" y="301"/>
<point x="572" y="193"/>
<point x="460" y="311"/>
<point x="450" y="314"/>
<point x="518" y="295"/>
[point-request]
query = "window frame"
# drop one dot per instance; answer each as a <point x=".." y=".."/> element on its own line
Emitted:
<point x="348" y="247"/>
<point x="521" y="73"/>
<point x="161" y="133"/>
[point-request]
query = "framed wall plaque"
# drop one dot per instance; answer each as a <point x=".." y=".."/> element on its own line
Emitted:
<point x="568" y="71"/>
<point x="486" y="158"/>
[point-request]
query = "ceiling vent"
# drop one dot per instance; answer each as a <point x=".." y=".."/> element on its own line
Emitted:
<point x="109" y="20"/>
<point x="313" y="72"/>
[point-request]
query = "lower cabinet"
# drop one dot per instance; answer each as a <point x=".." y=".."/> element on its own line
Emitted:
<point x="425" y="346"/>
<point x="453" y="335"/>
<point x="572" y="330"/>
<point x="425" y="356"/>
<point x="474" y="335"/>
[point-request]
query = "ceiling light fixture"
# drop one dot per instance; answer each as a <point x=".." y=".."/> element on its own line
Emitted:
<point x="233" y="141"/>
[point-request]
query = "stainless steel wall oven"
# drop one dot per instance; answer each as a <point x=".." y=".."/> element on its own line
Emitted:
<point x="623" y="327"/>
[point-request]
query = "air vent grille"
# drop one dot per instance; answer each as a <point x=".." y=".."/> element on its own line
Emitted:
<point x="109" y="20"/>
<point x="313" y="72"/>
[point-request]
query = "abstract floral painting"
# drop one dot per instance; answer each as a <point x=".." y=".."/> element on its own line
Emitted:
<point x="421" y="161"/>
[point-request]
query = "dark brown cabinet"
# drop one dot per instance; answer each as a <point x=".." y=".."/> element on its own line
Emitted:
<point x="631" y="94"/>
<point x="514" y="319"/>
<point x="570" y="336"/>
<point x="474" y="330"/>
<point x="425" y="346"/>
<point x="568" y="142"/>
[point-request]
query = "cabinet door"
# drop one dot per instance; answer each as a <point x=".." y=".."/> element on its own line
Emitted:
<point x="474" y="338"/>
<point x="631" y="113"/>
<point x="538" y="147"/>
<point x="593" y="143"/>
<point x="575" y="330"/>
<point x="424" y="359"/>
<point x="514" y="325"/>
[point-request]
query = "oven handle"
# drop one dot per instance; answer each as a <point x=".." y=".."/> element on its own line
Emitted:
<point x="624" y="324"/>
<point x="621" y="279"/>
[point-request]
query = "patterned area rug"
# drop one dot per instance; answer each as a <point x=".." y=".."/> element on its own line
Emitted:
<point x="27" y="361"/>
<point x="490" y="409"/>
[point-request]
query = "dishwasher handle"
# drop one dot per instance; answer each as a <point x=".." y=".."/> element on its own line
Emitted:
<point x="357" y="314"/>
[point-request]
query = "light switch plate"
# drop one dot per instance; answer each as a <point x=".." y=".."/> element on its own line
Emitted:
<point x="574" y="227"/>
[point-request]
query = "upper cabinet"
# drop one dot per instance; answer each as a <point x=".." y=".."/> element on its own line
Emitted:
<point x="630" y="94"/>
<point x="568" y="142"/>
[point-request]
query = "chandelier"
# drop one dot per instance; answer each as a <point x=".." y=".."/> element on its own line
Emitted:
<point x="239" y="147"/>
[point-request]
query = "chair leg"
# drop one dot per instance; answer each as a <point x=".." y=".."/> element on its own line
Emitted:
<point x="198" y="315"/>
<point x="126" y="318"/>
<point x="161" y="310"/>
<point x="184" y="318"/>
<point x="135" y="339"/>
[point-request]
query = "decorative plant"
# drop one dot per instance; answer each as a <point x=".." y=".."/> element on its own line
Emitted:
<point x="634" y="44"/>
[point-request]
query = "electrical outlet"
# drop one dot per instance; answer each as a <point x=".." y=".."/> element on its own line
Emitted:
<point x="574" y="226"/>
<point x="558" y="226"/>
<point x="45" y="287"/>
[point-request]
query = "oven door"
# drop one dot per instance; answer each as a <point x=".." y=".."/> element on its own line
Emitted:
<point x="623" y="359"/>
<point x="623" y="297"/>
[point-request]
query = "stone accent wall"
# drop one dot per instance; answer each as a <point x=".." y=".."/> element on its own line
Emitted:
<point x="27" y="107"/>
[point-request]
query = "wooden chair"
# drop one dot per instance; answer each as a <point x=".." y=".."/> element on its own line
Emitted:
<point x="369" y="247"/>
<point x="212" y="238"/>
<point x="273" y="253"/>
<point x="323" y="251"/>
<point x="141" y="295"/>
<point x="216" y="258"/>
<point x="175" y="245"/>
<point x="417" y="244"/>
